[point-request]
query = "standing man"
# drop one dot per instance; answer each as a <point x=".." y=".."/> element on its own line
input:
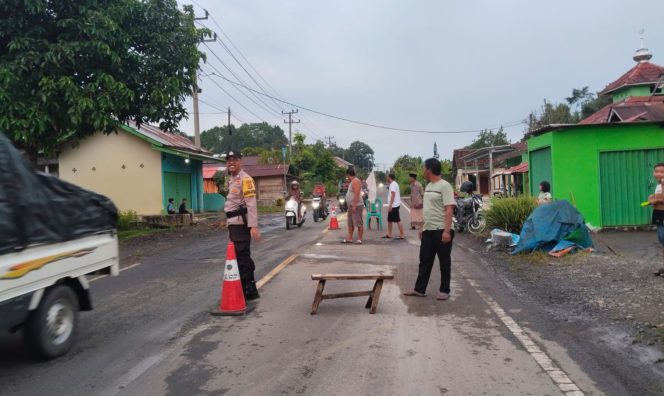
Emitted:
<point x="394" y="199"/>
<point x="416" y="202"/>
<point x="242" y="220"/>
<point x="355" y="207"/>
<point x="438" y="234"/>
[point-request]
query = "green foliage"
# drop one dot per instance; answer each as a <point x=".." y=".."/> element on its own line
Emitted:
<point x="313" y="163"/>
<point x="127" y="220"/>
<point x="592" y="106"/>
<point x="381" y="177"/>
<point x="360" y="155"/>
<point x="249" y="139"/>
<point x="405" y="165"/>
<point x="71" y="68"/>
<point x="509" y="214"/>
<point x="488" y="138"/>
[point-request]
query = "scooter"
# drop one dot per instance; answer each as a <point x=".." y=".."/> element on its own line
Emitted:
<point x="320" y="210"/>
<point x="292" y="217"/>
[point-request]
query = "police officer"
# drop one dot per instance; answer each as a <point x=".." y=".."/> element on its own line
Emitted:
<point x="242" y="220"/>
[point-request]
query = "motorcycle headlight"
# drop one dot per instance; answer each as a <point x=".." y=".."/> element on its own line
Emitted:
<point x="315" y="205"/>
<point x="342" y="200"/>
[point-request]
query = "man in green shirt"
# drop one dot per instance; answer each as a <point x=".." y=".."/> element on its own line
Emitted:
<point x="437" y="234"/>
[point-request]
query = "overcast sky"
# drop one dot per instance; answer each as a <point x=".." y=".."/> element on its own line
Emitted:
<point x="420" y="64"/>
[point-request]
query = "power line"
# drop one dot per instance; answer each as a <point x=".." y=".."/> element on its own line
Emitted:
<point x="211" y="17"/>
<point x="270" y="111"/>
<point x="232" y="97"/>
<point x="507" y="125"/>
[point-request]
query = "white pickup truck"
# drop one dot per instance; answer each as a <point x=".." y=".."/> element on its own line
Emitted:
<point x="52" y="234"/>
<point x="43" y="288"/>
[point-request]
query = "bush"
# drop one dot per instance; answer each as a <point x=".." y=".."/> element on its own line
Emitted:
<point x="127" y="220"/>
<point x="509" y="214"/>
<point x="279" y="202"/>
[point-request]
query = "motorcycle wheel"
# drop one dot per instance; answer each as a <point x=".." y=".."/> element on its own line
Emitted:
<point x="477" y="224"/>
<point x="315" y="217"/>
<point x="288" y="223"/>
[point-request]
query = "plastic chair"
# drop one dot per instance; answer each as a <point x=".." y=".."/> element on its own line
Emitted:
<point x="375" y="210"/>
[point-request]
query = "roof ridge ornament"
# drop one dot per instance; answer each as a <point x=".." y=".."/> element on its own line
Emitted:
<point x="642" y="54"/>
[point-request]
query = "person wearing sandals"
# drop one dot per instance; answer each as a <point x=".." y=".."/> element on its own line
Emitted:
<point x="355" y="207"/>
<point x="416" y="203"/>
<point x="437" y="234"/>
<point x="394" y="199"/>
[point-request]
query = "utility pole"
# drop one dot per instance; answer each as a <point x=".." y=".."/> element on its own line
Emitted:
<point x="197" y="90"/>
<point x="290" y="123"/>
<point x="329" y="141"/>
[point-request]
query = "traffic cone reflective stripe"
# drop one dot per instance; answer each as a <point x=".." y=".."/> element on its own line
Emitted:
<point x="334" y="223"/>
<point x="232" y="297"/>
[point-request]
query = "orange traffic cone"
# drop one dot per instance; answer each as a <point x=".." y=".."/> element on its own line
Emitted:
<point x="334" y="223"/>
<point x="232" y="298"/>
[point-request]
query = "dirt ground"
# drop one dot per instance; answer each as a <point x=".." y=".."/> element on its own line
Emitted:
<point x="615" y="282"/>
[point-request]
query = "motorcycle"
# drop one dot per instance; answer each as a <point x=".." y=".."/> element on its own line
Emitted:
<point x="320" y="210"/>
<point x="343" y="205"/>
<point x="292" y="217"/>
<point x="468" y="214"/>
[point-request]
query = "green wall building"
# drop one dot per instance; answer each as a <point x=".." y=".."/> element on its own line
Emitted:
<point x="604" y="164"/>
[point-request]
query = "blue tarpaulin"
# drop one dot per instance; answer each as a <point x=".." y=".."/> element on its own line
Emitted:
<point x="556" y="225"/>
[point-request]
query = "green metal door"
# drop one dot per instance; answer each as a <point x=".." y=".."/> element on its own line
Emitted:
<point x="625" y="181"/>
<point x="540" y="169"/>
<point x="177" y="186"/>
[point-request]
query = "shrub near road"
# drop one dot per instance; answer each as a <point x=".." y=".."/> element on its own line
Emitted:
<point x="509" y="214"/>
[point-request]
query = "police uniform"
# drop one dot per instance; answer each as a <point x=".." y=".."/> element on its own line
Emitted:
<point x="242" y="215"/>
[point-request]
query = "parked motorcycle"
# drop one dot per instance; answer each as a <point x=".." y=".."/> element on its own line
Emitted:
<point x="292" y="217"/>
<point x="320" y="210"/>
<point x="468" y="214"/>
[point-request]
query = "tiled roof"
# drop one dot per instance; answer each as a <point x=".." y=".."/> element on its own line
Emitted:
<point x="210" y="169"/>
<point x="642" y="73"/>
<point x="521" y="168"/>
<point x="631" y="109"/>
<point x="254" y="168"/>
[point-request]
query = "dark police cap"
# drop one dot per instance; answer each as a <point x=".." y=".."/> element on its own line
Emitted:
<point x="233" y="154"/>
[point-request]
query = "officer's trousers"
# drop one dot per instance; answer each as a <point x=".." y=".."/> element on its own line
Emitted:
<point x="241" y="237"/>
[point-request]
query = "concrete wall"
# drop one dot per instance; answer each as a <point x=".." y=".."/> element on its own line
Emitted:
<point x="98" y="162"/>
<point x="640" y="90"/>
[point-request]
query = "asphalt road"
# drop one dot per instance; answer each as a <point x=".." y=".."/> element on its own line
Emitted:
<point x="151" y="333"/>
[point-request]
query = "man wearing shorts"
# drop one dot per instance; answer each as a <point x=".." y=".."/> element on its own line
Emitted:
<point x="355" y="207"/>
<point x="394" y="200"/>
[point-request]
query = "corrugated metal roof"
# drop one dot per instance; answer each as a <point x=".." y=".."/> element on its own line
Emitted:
<point x="626" y="109"/>
<point x="167" y="139"/>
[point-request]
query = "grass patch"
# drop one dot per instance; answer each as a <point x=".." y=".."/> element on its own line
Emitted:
<point x="136" y="232"/>
<point x="270" y="209"/>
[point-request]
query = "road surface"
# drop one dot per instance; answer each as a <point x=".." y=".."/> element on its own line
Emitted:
<point x="151" y="333"/>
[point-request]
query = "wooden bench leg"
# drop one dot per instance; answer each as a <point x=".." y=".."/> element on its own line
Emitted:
<point x="318" y="297"/>
<point x="373" y="291"/>
<point x="376" y="295"/>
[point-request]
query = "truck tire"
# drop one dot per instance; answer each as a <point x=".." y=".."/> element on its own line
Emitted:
<point x="51" y="328"/>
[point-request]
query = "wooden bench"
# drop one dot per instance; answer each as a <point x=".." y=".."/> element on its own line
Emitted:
<point x="374" y="294"/>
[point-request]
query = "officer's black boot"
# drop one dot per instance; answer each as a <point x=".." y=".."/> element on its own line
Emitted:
<point x="250" y="290"/>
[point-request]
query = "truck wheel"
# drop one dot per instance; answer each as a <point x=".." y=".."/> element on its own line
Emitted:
<point x="51" y="328"/>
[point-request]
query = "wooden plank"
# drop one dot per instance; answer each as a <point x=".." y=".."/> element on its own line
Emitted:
<point x="352" y="276"/>
<point x="344" y="295"/>
<point x="371" y="296"/>
<point x="318" y="297"/>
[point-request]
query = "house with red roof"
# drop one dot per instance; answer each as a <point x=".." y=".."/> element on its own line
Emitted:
<point x="269" y="179"/>
<point x="139" y="168"/>
<point x="604" y="164"/>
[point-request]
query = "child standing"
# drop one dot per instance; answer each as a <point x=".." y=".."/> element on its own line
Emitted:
<point x="544" y="196"/>
<point x="657" y="201"/>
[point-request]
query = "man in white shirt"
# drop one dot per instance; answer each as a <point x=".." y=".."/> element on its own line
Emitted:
<point x="394" y="204"/>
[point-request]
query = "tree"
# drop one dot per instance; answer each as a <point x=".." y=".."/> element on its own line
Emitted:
<point x="551" y="113"/>
<point x="314" y="163"/>
<point x="246" y="138"/>
<point x="403" y="167"/>
<point x="71" y="68"/>
<point x="488" y="138"/>
<point x="360" y="155"/>
<point x="592" y="106"/>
